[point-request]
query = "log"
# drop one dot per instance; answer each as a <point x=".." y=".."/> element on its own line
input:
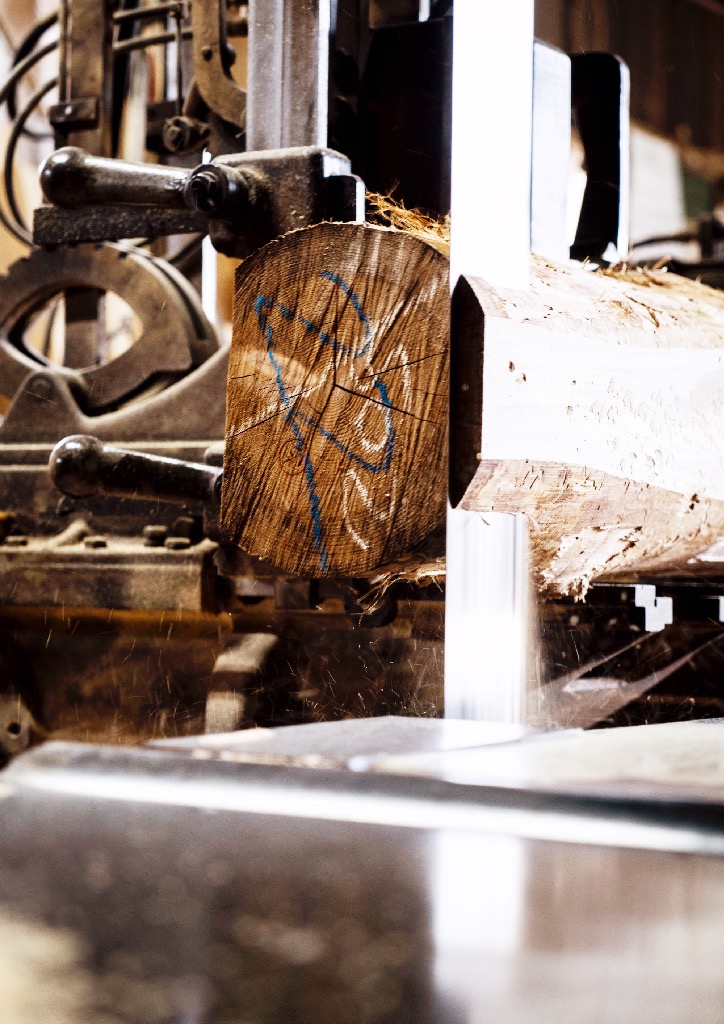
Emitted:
<point x="589" y="402"/>
<point x="336" y="427"/>
<point x="593" y="403"/>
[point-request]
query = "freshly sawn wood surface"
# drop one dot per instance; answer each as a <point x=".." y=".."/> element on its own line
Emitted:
<point x="337" y="403"/>
<point x="593" y="402"/>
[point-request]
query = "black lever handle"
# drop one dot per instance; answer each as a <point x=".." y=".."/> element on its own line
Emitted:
<point x="72" y="178"/>
<point x="83" y="466"/>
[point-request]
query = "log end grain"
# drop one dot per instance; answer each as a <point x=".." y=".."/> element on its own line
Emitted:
<point x="336" y="435"/>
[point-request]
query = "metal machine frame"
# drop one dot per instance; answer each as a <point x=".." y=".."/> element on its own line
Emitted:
<point x="107" y="551"/>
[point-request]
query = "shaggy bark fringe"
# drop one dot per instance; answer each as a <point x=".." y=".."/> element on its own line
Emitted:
<point x="388" y="212"/>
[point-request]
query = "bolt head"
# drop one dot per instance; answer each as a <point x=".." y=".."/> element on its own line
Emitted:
<point x="177" y="543"/>
<point x="40" y="388"/>
<point x="96" y="542"/>
<point x="154" y="535"/>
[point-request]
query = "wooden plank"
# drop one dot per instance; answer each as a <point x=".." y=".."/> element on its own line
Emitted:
<point x="601" y="413"/>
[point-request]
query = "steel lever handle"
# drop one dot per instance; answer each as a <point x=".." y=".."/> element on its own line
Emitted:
<point x="72" y="178"/>
<point x="83" y="467"/>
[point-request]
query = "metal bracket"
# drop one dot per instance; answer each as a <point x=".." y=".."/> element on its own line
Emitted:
<point x="212" y="61"/>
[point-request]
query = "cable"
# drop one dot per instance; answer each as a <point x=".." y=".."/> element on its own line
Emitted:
<point x="23" y="67"/>
<point x="18" y="72"/>
<point x="19" y="229"/>
<point x="26" y="47"/>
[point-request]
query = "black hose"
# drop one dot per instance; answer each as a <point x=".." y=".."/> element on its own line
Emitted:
<point x="19" y="229"/>
<point x="23" y="67"/>
<point x="18" y="72"/>
<point x="25" y="49"/>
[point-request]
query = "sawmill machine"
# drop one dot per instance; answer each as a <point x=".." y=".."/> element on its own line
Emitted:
<point x="178" y="127"/>
<point x="124" y="609"/>
<point x="161" y="862"/>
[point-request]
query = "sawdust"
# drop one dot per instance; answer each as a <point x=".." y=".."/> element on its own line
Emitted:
<point x="388" y="212"/>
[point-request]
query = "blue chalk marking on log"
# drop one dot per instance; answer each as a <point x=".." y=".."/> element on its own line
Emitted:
<point x="308" y="325"/>
<point x="312" y="328"/>
<point x="371" y="467"/>
<point x="356" y="305"/>
<point x="263" y="306"/>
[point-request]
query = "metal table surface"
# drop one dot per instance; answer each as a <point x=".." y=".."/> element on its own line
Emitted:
<point x="188" y="884"/>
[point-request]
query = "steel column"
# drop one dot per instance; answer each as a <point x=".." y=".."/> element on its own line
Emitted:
<point x="288" y="73"/>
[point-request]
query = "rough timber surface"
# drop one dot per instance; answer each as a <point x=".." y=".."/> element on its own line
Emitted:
<point x="602" y="418"/>
<point x="336" y="429"/>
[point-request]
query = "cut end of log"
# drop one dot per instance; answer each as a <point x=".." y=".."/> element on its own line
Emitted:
<point x="336" y="434"/>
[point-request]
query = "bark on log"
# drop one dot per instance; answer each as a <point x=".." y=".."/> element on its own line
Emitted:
<point x="336" y="439"/>
<point x="593" y="403"/>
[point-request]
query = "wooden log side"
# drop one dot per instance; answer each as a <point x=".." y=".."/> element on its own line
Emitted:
<point x="599" y="397"/>
<point x="336" y="429"/>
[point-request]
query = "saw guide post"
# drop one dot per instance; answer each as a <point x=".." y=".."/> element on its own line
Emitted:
<point x="337" y="400"/>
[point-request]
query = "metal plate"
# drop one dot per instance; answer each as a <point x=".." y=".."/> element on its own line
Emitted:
<point x="147" y="887"/>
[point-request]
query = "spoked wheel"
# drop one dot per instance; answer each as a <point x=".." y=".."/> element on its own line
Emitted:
<point x="132" y="323"/>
